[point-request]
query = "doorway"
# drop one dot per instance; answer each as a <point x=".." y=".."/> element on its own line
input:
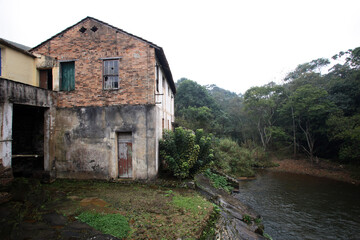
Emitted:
<point x="46" y="79"/>
<point x="28" y="140"/>
<point x="125" y="155"/>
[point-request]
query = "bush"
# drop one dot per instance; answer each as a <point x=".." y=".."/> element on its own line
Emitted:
<point x="206" y="153"/>
<point x="185" y="153"/>
<point x="233" y="159"/>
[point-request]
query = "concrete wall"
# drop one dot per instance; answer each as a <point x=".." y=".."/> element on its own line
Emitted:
<point x="17" y="93"/>
<point x="18" y="66"/>
<point x="86" y="141"/>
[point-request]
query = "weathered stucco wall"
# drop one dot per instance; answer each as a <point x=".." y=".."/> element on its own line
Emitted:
<point x="86" y="141"/>
<point x="18" y="66"/>
<point x="17" y="93"/>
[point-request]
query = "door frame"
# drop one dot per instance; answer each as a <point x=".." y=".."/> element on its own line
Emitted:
<point x="124" y="137"/>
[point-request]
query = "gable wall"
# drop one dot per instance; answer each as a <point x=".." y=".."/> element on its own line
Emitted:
<point x="136" y="70"/>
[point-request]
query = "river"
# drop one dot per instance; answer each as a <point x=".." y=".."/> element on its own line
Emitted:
<point x="303" y="207"/>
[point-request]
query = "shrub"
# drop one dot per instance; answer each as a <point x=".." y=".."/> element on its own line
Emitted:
<point x="206" y="153"/>
<point x="185" y="153"/>
<point x="232" y="159"/>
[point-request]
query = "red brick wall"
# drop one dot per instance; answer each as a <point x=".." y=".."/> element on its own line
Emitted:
<point x="136" y="67"/>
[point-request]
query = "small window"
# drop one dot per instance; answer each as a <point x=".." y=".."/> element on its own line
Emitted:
<point x="67" y="70"/>
<point x="111" y="74"/>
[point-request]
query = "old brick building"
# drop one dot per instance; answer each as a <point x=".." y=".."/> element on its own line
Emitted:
<point x="114" y="96"/>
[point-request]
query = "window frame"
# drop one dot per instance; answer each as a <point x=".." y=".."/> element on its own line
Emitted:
<point x="106" y="74"/>
<point x="72" y="87"/>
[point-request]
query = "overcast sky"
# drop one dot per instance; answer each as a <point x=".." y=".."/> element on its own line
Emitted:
<point x="233" y="44"/>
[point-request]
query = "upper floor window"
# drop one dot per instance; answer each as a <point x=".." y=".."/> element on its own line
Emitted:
<point x="67" y="70"/>
<point x="111" y="74"/>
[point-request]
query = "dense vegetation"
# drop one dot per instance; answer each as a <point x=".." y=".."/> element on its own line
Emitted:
<point x="315" y="111"/>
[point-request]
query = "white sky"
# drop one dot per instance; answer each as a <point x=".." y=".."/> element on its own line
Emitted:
<point x="233" y="44"/>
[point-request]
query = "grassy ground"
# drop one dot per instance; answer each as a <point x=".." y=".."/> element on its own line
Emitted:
<point x="322" y="169"/>
<point x="125" y="210"/>
<point x="152" y="211"/>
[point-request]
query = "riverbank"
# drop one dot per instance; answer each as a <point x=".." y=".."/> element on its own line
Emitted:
<point x="322" y="169"/>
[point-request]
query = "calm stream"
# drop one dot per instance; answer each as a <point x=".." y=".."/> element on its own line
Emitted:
<point x="304" y="207"/>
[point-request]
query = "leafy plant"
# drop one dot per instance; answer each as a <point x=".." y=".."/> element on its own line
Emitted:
<point x="218" y="181"/>
<point x="185" y="153"/>
<point x="113" y="224"/>
<point x="246" y="219"/>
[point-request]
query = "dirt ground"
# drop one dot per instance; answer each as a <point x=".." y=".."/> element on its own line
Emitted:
<point x="322" y="169"/>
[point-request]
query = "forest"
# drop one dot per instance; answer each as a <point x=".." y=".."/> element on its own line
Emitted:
<point x="313" y="113"/>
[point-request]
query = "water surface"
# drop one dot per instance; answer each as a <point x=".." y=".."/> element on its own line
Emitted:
<point x="304" y="207"/>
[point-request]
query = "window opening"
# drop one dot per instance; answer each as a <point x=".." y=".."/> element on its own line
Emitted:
<point x="94" y="29"/>
<point x="111" y="74"/>
<point x="82" y="29"/>
<point x="67" y="76"/>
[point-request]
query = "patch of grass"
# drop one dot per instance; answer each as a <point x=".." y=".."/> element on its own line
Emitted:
<point x="219" y="182"/>
<point x="149" y="208"/>
<point x="195" y="204"/>
<point x="113" y="224"/>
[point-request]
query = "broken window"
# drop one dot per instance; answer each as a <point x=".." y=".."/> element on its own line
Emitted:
<point x="67" y="70"/>
<point x="111" y="74"/>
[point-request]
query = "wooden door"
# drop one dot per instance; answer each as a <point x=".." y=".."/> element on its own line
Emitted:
<point x="125" y="158"/>
<point x="43" y="79"/>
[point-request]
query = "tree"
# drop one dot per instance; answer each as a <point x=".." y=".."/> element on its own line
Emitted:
<point x="311" y="107"/>
<point x="345" y="131"/>
<point x="261" y="104"/>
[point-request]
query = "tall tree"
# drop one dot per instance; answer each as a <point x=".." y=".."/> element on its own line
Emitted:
<point x="262" y="103"/>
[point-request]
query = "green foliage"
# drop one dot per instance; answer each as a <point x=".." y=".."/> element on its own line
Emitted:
<point x="185" y="153"/>
<point x="246" y="219"/>
<point x="233" y="159"/>
<point x="296" y="116"/>
<point x="346" y="131"/>
<point x="210" y="229"/>
<point x="206" y="153"/>
<point x="219" y="182"/>
<point x="113" y="224"/>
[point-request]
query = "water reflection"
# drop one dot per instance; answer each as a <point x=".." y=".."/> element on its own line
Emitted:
<point x="304" y="207"/>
